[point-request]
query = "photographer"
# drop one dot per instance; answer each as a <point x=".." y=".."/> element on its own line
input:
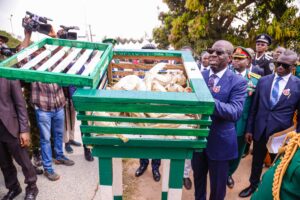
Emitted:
<point x="49" y="101"/>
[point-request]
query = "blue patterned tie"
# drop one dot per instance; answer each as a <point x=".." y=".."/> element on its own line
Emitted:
<point x="211" y="81"/>
<point x="275" y="92"/>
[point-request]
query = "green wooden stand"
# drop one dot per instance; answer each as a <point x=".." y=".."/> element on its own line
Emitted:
<point x="176" y="151"/>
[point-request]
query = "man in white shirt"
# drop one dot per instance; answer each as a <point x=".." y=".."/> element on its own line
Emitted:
<point x="204" y="64"/>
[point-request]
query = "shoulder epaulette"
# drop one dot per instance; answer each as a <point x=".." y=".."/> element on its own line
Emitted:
<point x="268" y="57"/>
<point x="257" y="76"/>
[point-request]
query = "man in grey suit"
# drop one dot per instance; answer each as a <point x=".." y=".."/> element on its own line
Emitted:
<point x="14" y="138"/>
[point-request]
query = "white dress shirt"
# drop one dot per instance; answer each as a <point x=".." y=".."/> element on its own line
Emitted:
<point x="202" y="68"/>
<point x="243" y="74"/>
<point x="219" y="75"/>
<point x="282" y="83"/>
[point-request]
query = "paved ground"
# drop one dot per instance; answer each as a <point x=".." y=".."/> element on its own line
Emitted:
<point x="80" y="181"/>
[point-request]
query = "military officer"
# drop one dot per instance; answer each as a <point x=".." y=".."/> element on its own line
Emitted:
<point x="241" y="62"/>
<point x="262" y="59"/>
<point x="282" y="180"/>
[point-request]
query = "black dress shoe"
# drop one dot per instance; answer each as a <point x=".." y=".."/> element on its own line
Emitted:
<point x="38" y="170"/>
<point x="88" y="155"/>
<point x="156" y="175"/>
<point x="247" y="191"/>
<point x="230" y="182"/>
<point x="31" y="194"/>
<point x="187" y="183"/>
<point x="12" y="193"/>
<point x="141" y="170"/>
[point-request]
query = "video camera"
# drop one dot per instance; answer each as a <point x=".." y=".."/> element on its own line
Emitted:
<point x="4" y="50"/>
<point x="37" y="23"/>
<point x="65" y="33"/>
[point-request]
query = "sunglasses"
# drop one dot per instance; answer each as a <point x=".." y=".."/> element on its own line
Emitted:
<point x="284" y="65"/>
<point x="219" y="52"/>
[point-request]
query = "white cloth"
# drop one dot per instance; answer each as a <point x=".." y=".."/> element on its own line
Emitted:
<point x="282" y="84"/>
<point x="219" y="75"/>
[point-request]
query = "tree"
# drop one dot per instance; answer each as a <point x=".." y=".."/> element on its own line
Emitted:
<point x="198" y="23"/>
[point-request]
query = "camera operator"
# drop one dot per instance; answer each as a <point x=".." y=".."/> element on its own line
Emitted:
<point x="15" y="137"/>
<point x="49" y="101"/>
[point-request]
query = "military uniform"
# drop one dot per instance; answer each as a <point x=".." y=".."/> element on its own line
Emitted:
<point x="289" y="189"/>
<point x="252" y="80"/>
<point x="265" y="61"/>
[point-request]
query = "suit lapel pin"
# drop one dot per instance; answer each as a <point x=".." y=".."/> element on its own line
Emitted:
<point x="286" y="92"/>
<point x="216" y="89"/>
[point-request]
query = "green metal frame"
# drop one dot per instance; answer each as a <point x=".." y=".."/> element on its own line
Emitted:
<point x="199" y="102"/>
<point x="9" y="70"/>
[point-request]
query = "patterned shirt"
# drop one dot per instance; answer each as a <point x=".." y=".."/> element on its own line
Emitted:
<point x="47" y="96"/>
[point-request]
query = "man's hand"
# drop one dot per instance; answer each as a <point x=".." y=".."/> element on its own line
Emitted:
<point x="24" y="139"/>
<point x="52" y="33"/>
<point x="248" y="138"/>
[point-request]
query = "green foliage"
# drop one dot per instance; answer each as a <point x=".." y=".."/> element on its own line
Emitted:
<point x="198" y="23"/>
<point x="13" y="42"/>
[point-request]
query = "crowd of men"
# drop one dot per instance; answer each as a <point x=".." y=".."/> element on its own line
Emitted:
<point x="255" y="96"/>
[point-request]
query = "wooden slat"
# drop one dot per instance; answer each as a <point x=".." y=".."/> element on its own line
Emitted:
<point x="158" y="58"/>
<point x="146" y="108"/>
<point x="39" y="57"/>
<point x="143" y="66"/>
<point x="144" y="131"/>
<point x="126" y="73"/>
<point x="145" y="142"/>
<point x="54" y="59"/>
<point x="91" y="66"/>
<point x="143" y="120"/>
<point x="64" y="64"/>
<point x="80" y="62"/>
<point x="120" y="96"/>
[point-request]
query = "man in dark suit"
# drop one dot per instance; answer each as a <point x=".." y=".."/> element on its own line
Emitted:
<point x="229" y="92"/>
<point x="14" y="137"/>
<point x="241" y="60"/>
<point x="276" y="99"/>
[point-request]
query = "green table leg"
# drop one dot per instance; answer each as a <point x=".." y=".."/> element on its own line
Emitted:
<point x="105" y="172"/>
<point x="175" y="182"/>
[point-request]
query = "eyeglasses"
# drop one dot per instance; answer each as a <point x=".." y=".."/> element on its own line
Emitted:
<point x="219" y="52"/>
<point x="284" y="65"/>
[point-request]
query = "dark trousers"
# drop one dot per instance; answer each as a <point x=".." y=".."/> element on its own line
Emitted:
<point x="10" y="147"/>
<point x="233" y="164"/>
<point x="155" y="163"/>
<point x="218" y="172"/>
<point x="259" y="154"/>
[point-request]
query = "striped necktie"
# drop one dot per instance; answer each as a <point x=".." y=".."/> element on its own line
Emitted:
<point x="275" y="92"/>
<point x="211" y="81"/>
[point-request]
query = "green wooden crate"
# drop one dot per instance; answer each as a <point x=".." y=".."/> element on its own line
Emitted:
<point x="59" y="61"/>
<point x="145" y="141"/>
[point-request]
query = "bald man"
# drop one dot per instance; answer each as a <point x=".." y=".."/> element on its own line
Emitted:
<point x="277" y="52"/>
<point x="204" y="65"/>
<point x="229" y="93"/>
<point x="276" y="99"/>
